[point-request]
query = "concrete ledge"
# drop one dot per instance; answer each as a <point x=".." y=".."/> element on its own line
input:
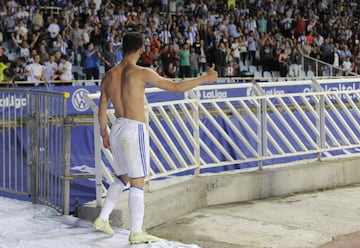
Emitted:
<point x="169" y="201"/>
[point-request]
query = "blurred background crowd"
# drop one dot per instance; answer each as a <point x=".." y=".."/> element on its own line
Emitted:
<point x="45" y="40"/>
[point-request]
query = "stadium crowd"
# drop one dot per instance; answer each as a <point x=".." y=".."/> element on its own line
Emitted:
<point x="43" y="40"/>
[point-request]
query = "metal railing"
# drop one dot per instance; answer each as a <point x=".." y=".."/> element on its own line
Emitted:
<point x="199" y="135"/>
<point x="35" y="146"/>
<point x="319" y="68"/>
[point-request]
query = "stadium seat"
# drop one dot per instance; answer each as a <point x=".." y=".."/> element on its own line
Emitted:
<point x="7" y="45"/>
<point x="78" y="72"/>
<point x="267" y="75"/>
<point x="276" y="74"/>
<point x="79" y="58"/>
<point x="310" y="74"/>
<point x="253" y="68"/>
<point x="101" y="71"/>
<point x="257" y="74"/>
<point x="12" y="56"/>
<point x="302" y="74"/>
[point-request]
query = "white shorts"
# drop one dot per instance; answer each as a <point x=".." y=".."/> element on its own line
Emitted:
<point x="129" y="141"/>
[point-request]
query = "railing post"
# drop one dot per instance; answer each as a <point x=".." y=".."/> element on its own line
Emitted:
<point x="67" y="151"/>
<point x="29" y="123"/>
<point x="196" y="132"/>
<point x="98" y="173"/>
<point x="147" y="110"/>
<point x="196" y="118"/>
<point x="35" y="151"/>
<point x="262" y="129"/>
<point x="320" y="122"/>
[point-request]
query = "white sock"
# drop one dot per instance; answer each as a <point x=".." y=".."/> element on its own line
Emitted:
<point x="136" y="208"/>
<point x="113" y="194"/>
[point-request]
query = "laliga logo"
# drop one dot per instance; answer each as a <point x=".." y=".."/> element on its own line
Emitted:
<point x="208" y="94"/>
<point x="78" y="100"/>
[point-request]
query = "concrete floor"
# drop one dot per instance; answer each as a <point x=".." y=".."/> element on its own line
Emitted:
<point x="301" y="220"/>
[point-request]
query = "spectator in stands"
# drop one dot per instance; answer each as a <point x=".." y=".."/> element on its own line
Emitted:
<point x="3" y="58"/>
<point x="86" y="32"/>
<point x="235" y="47"/>
<point x="266" y="54"/>
<point x="109" y="56"/>
<point x="9" y="24"/>
<point x="91" y="62"/>
<point x="345" y="52"/>
<point x="347" y="66"/>
<point x="160" y="71"/>
<point x="262" y="22"/>
<point x="44" y="55"/>
<point x="164" y="56"/>
<point x="37" y="20"/>
<point x="243" y="48"/>
<point x="35" y="72"/>
<point x="194" y="63"/>
<point x="23" y="50"/>
<point x="57" y="55"/>
<point x="300" y="25"/>
<point x="190" y="35"/>
<point x="51" y="68"/>
<point x="147" y="56"/>
<point x="35" y="41"/>
<point x="64" y="70"/>
<point x="154" y="65"/>
<point x="284" y="63"/>
<point x="3" y="11"/>
<point x="165" y="35"/>
<point x="228" y="51"/>
<point x="295" y="65"/>
<point x="60" y="44"/>
<point x="220" y="59"/>
<point x="334" y="57"/>
<point x="171" y="71"/>
<point x="230" y="70"/>
<point x="173" y="55"/>
<point x="12" y="5"/>
<point x="20" y="70"/>
<point x="357" y="62"/>
<point x="54" y="29"/>
<point x="326" y="50"/>
<point x="156" y="53"/>
<point x="202" y="57"/>
<point x="96" y="37"/>
<point x="20" y="33"/>
<point x="155" y="43"/>
<point x="184" y="61"/>
<point x="250" y="38"/>
<point x="77" y="40"/>
<point x="117" y="48"/>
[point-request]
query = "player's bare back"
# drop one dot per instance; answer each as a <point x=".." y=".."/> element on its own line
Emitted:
<point x="125" y="89"/>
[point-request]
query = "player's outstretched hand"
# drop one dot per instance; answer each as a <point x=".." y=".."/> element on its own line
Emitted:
<point x="212" y="75"/>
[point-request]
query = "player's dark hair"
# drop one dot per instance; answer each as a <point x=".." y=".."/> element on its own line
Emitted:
<point x="132" y="41"/>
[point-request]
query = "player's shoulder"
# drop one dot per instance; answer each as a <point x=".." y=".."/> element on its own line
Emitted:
<point x="138" y="71"/>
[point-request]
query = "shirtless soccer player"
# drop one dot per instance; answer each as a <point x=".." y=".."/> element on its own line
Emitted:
<point x="124" y="86"/>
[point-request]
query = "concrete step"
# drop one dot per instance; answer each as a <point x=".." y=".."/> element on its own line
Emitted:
<point x="171" y="198"/>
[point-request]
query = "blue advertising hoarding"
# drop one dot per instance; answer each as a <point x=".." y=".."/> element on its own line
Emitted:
<point x="76" y="104"/>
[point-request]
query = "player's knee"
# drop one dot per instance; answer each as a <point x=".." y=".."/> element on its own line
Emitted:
<point x="137" y="182"/>
<point x="122" y="179"/>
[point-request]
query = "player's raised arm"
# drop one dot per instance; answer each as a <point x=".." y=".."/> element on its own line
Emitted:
<point x="156" y="80"/>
